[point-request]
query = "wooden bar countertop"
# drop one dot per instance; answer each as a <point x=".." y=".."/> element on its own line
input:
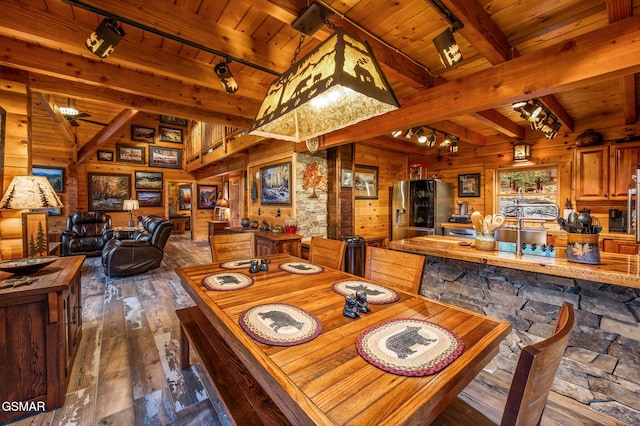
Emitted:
<point x="619" y="269"/>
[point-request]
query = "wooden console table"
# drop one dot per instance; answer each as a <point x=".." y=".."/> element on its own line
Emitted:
<point x="179" y="224"/>
<point x="41" y="328"/>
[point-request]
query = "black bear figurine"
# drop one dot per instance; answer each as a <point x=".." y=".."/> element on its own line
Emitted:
<point x="350" y="307"/>
<point x="361" y="301"/>
<point x="254" y="268"/>
<point x="264" y="264"/>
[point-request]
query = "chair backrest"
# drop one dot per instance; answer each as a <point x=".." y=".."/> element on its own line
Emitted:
<point x="394" y="268"/>
<point x="226" y="247"/>
<point x="534" y="374"/>
<point x="326" y="252"/>
<point x="88" y="224"/>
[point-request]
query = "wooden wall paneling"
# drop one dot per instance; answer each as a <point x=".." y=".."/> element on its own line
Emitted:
<point x="371" y="217"/>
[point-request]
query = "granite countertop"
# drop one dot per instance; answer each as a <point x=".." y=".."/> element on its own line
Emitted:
<point x="619" y="269"/>
<point x="555" y="231"/>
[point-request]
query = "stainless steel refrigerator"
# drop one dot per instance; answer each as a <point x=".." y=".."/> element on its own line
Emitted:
<point x="419" y="207"/>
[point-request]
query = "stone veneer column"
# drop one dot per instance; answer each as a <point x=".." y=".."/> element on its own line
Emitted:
<point x="601" y="366"/>
<point x="311" y="213"/>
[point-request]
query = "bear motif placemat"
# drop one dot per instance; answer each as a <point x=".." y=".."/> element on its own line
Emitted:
<point x="409" y="347"/>
<point x="237" y="264"/>
<point x="280" y="324"/>
<point x="376" y="294"/>
<point x="304" y="268"/>
<point x="227" y="281"/>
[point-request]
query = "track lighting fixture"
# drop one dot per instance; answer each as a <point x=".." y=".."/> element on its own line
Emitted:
<point x="410" y="133"/>
<point x="539" y="117"/>
<point x="396" y="133"/>
<point x="449" y="142"/>
<point x="446" y="143"/>
<point x="431" y="139"/>
<point x="226" y="78"/>
<point x="105" y="38"/>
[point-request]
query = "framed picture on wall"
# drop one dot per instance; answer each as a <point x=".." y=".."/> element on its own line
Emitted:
<point x="365" y="182"/>
<point x="148" y="180"/>
<point x="175" y="121"/>
<point x="165" y="157"/>
<point x="149" y="198"/>
<point x="167" y="134"/>
<point x="54" y="175"/>
<point x="184" y="198"/>
<point x="143" y="134"/>
<point x="275" y="184"/>
<point x="469" y="185"/>
<point x="130" y="154"/>
<point x="107" y="191"/>
<point x="346" y="178"/>
<point x="35" y="234"/>
<point x="105" y="155"/>
<point x="207" y="196"/>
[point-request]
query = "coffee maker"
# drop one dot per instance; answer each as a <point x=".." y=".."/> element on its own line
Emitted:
<point x="617" y="220"/>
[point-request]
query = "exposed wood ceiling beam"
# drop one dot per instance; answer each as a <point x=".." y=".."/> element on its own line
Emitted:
<point x="597" y="56"/>
<point x="59" y="32"/>
<point x="500" y="123"/>
<point x="54" y="112"/>
<point x="234" y="110"/>
<point x="492" y="43"/>
<point x="74" y="89"/>
<point x="107" y="132"/>
<point x="618" y="10"/>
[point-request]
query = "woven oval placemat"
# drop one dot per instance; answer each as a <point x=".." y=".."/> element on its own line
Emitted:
<point x="304" y="268"/>
<point x="280" y="324"/>
<point x="237" y="264"/>
<point x="227" y="281"/>
<point x="409" y="347"/>
<point x="376" y="294"/>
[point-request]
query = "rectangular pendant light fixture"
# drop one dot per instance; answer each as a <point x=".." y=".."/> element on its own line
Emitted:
<point x="336" y="85"/>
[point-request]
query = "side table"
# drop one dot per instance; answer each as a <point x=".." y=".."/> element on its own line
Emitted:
<point x="124" y="232"/>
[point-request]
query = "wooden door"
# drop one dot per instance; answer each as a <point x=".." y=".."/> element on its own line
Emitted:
<point x="624" y="162"/>
<point x="592" y="173"/>
<point x="236" y="205"/>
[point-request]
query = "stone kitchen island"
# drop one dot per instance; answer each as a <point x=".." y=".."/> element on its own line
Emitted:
<point x="601" y="366"/>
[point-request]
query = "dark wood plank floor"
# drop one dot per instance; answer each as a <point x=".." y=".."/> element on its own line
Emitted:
<point x="127" y="371"/>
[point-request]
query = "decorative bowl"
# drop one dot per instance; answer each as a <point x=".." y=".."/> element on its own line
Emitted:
<point x="277" y="229"/>
<point x="27" y="265"/>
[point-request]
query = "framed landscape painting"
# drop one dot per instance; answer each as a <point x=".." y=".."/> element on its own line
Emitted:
<point x="54" y="175"/>
<point x="148" y="180"/>
<point x="276" y="184"/>
<point x="105" y="155"/>
<point x="207" y="196"/>
<point x="107" y="191"/>
<point x="143" y="134"/>
<point x="165" y="157"/>
<point x="365" y="182"/>
<point x="167" y="134"/>
<point x="130" y="154"/>
<point x="149" y="198"/>
<point x="184" y="198"/>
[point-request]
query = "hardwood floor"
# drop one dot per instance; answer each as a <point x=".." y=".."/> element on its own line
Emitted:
<point x="127" y="371"/>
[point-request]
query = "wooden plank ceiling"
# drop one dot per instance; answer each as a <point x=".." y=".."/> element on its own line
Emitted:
<point x="577" y="56"/>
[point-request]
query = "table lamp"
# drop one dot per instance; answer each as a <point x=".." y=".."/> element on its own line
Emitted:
<point x="130" y="205"/>
<point x="32" y="192"/>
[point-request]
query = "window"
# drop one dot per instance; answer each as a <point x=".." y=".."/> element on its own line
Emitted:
<point x="537" y="185"/>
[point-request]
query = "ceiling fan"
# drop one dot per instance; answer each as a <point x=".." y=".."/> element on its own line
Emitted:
<point x="72" y="115"/>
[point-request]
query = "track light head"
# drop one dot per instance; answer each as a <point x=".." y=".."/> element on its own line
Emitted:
<point x="223" y="73"/>
<point x="104" y="39"/>
<point x="431" y="139"/>
<point x="422" y="137"/>
<point x="396" y="133"/>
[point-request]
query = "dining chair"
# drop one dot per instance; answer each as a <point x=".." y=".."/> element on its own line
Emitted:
<point x="226" y="247"/>
<point x="326" y="252"/>
<point x="394" y="268"/>
<point x="531" y="384"/>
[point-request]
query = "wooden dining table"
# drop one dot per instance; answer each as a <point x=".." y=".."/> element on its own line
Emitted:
<point x="325" y="380"/>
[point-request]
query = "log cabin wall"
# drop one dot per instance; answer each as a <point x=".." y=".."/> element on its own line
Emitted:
<point x="371" y="216"/>
<point x="76" y="197"/>
<point x="16" y="145"/>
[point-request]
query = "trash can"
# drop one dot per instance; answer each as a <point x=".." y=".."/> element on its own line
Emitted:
<point x="354" y="255"/>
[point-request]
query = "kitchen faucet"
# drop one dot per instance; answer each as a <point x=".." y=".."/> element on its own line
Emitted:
<point x="520" y="217"/>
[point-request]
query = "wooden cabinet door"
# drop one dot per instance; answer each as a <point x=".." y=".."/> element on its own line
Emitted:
<point x="626" y="247"/>
<point x="592" y="173"/>
<point x="624" y="162"/>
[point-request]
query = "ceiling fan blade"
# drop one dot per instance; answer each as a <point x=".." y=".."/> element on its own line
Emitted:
<point x="73" y="122"/>
<point x="83" y="114"/>
<point x="93" y="122"/>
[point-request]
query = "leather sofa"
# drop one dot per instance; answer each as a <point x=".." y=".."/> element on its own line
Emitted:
<point x="141" y="252"/>
<point x="86" y="233"/>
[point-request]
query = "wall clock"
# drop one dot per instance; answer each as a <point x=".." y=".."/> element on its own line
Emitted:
<point x="313" y="144"/>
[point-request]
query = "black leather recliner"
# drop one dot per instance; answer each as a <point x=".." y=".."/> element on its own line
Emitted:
<point x="86" y="233"/>
<point x="142" y="252"/>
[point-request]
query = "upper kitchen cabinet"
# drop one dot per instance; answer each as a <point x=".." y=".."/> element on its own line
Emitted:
<point x="605" y="172"/>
